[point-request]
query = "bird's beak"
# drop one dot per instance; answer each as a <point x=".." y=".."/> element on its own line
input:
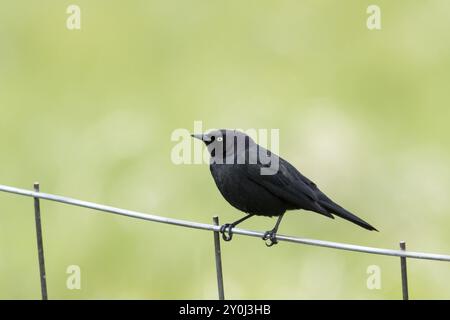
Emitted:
<point x="197" y="136"/>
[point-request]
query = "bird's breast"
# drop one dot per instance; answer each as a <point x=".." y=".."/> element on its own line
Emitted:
<point x="244" y="194"/>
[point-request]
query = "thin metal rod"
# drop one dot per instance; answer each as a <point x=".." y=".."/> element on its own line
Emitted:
<point x="40" y="246"/>
<point x="404" y="272"/>
<point x="218" y="254"/>
<point x="204" y="226"/>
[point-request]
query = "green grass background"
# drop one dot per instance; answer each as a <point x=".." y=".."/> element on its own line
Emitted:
<point x="89" y="115"/>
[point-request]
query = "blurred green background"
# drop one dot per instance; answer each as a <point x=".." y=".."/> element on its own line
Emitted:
<point x="89" y="113"/>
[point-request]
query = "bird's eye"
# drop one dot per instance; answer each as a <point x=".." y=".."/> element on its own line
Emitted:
<point x="219" y="139"/>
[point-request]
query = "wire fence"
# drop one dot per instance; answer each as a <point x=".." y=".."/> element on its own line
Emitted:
<point x="215" y="228"/>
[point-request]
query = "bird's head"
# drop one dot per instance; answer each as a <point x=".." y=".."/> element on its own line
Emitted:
<point x="225" y="143"/>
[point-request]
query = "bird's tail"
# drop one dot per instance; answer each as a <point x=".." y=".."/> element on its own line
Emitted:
<point x="341" y="212"/>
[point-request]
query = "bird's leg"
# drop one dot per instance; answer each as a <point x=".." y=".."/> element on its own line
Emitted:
<point x="272" y="234"/>
<point x="227" y="229"/>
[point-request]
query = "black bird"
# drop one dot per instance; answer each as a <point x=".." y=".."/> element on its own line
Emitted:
<point x="258" y="182"/>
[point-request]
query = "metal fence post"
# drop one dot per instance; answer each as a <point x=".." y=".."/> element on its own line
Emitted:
<point x="40" y="246"/>
<point x="218" y="255"/>
<point x="404" y="272"/>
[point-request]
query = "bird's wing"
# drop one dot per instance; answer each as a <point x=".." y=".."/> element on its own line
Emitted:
<point x="289" y="184"/>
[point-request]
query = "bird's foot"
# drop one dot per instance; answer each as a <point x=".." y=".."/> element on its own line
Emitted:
<point x="270" y="237"/>
<point x="227" y="231"/>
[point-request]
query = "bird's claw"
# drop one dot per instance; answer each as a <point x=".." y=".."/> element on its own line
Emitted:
<point x="270" y="237"/>
<point x="227" y="231"/>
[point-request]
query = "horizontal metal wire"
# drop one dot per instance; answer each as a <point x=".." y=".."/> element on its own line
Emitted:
<point x="204" y="226"/>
